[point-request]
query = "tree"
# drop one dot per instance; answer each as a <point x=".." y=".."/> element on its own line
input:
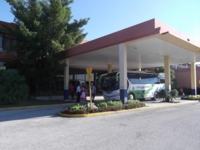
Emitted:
<point x="159" y="69"/>
<point x="174" y="82"/>
<point x="43" y="28"/>
<point x="13" y="89"/>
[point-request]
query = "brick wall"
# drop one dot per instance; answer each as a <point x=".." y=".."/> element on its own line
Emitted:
<point x="183" y="77"/>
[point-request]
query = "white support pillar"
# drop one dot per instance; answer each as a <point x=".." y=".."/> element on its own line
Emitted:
<point x="193" y="79"/>
<point x="167" y="73"/>
<point x="109" y="68"/>
<point x="123" y="72"/>
<point x="66" y="80"/>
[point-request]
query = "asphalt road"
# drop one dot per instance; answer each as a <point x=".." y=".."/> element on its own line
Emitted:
<point x="169" y="128"/>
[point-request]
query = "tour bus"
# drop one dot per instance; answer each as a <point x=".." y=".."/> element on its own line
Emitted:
<point x="140" y="85"/>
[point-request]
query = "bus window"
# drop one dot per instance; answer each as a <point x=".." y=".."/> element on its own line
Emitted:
<point x="134" y="78"/>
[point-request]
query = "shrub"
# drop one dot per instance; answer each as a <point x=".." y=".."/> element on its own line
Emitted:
<point x="77" y="107"/>
<point x="174" y="93"/>
<point x="114" y="103"/>
<point x="193" y="97"/>
<point x="113" y="106"/>
<point x="102" y="104"/>
<point x="13" y="89"/>
<point x="133" y="101"/>
<point x="163" y="94"/>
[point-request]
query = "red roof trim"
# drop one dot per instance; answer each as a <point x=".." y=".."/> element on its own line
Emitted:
<point x="5" y="56"/>
<point x="11" y="25"/>
<point x="138" y="31"/>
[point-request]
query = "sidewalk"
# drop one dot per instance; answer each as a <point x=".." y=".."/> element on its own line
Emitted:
<point x="148" y="103"/>
<point x="159" y="103"/>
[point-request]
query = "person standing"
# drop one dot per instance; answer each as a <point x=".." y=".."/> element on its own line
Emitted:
<point x="182" y="92"/>
<point x="93" y="89"/>
<point x="83" y="94"/>
<point x="78" y="93"/>
<point x="71" y="90"/>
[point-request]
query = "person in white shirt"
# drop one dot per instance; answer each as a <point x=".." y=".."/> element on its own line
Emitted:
<point x="78" y="93"/>
<point x="93" y="89"/>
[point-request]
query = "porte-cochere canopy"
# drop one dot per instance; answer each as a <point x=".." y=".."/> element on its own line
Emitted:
<point x="147" y="44"/>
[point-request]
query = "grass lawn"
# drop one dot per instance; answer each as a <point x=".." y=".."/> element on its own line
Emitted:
<point x="35" y="103"/>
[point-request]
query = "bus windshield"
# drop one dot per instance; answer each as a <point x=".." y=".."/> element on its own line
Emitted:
<point x="110" y="83"/>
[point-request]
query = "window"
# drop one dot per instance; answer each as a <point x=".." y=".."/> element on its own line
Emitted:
<point x="143" y="78"/>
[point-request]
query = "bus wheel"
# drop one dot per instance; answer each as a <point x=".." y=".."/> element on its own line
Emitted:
<point x="131" y="97"/>
<point x="156" y="96"/>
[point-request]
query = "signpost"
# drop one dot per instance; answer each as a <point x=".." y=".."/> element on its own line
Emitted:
<point x="89" y="72"/>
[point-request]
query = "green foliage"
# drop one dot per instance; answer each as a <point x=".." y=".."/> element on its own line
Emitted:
<point x="133" y="101"/>
<point x="162" y="94"/>
<point x="193" y="97"/>
<point x="1" y="67"/>
<point x="174" y="83"/>
<point x="43" y="28"/>
<point x="109" y="103"/>
<point x="167" y="95"/>
<point x="13" y="89"/>
<point x="114" y="103"/>
<point x="159" y="69"/>
<point x="118" y="106"/>
<point x="174" y="93"/>
<point x="77" y="107"/>
<point x="102" y="104"/>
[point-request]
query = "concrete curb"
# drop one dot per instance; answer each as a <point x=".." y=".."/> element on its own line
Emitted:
<point x="102" y="113"/>
<point x="27" y="107"/>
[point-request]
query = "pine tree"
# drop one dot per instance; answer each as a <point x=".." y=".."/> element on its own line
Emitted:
<point x="44" y="28"/>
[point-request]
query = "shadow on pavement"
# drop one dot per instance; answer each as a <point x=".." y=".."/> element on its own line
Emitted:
<point x="10" y="115"/>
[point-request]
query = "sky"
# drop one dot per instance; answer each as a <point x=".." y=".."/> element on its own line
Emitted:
<point x="108" y="16"/>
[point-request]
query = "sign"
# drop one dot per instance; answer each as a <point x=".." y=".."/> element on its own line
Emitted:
<point x="89" y="71"/>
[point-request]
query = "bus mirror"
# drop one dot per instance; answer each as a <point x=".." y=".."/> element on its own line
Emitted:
<point x="99" y="79"/>
<point x="117" y="78"/>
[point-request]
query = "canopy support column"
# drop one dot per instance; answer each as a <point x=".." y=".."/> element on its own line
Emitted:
<point x="123" y="72"/>
<point x="66" y="80"/>
<point x="109" y="68"/>
<point x="167" y="73"/>
<point x="193" y="78"/>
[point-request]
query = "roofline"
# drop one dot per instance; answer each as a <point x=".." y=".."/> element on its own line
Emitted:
<point x="9" y="24"/>
<point x="146" y="29"/>
<point x="138" y="31"/>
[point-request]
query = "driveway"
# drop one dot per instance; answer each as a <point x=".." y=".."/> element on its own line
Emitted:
<point x="164" y="128"/>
